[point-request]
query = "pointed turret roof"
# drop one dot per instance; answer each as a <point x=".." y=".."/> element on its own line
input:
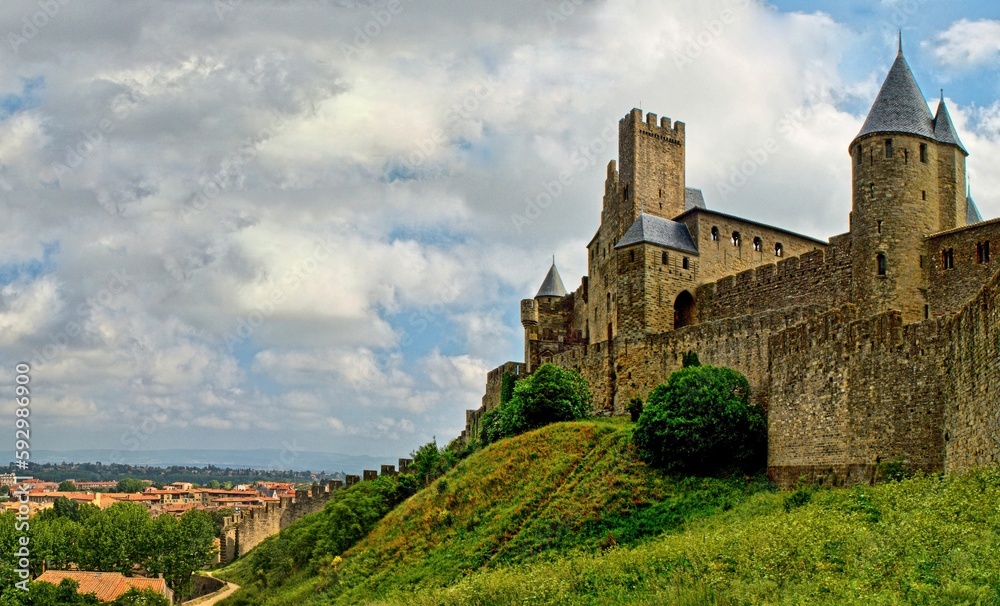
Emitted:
<point x="900" y="107"/>
<point x="553" y="284"/>
<point x="944" y="130"/>
<point x="972" y="214"/>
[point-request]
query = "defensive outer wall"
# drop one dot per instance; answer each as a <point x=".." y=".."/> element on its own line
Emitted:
<point x="245" y="530"/>
<point x="844" y="390"/>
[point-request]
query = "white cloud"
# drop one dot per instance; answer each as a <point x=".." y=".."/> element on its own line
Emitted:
<point x="966" y="44"/>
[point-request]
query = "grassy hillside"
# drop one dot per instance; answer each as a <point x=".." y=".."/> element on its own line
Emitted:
<point x="567" y="488"/>
<point x="565" y="515"/>
<point x="926" y="541"/>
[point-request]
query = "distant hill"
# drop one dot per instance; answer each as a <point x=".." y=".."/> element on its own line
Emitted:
<point x="261" y="458"/>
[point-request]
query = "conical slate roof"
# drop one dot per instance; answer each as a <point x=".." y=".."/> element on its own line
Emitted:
<point x="971" y="211"/>
<point x="944" y="130"/>
<point x="900" y="107"/>
<point x="553" y="284"/>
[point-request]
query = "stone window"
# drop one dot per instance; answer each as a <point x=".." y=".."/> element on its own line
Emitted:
<point x="927" y="314"/>
<point x="878" y="226"/>
<point x="858" y="153"/>
<point x="923" y="194"/>
<point x="685" y="263"/>
<point x="948" y="258"/>
<point x="888" y="148"/>
<point x="664" y="258"/>
<point x="631" y="255"/>
<point x="715" y="234"/>
<point x="609" y="301"/>
<point x="626" y="192"/>
<point x="779" y="250"/>
<point x="880" y="268"/>
<point x="758" y="244"/>
<point x="735" y="238"/>
<point x="923" y="152"/>
<point x="983" y="252"/>
<point x="906" y="156"/>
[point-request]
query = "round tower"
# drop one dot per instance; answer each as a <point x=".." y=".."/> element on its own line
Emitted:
<point x="897" y="165"/>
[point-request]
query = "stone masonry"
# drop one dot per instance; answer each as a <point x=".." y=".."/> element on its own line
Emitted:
<point x="879" y="345"/>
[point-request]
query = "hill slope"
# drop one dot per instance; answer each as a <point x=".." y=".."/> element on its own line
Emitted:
<point x="566" y="487"/>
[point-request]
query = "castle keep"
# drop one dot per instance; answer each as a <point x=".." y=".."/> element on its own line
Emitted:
<point x="880" y="344"/>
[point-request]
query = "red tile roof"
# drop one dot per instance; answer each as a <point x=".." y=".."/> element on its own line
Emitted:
<point x="107" y="586"/>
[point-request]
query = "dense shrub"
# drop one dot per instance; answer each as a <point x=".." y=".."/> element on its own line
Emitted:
<point x="701" y="421"/>
<point x="549" y="395"/>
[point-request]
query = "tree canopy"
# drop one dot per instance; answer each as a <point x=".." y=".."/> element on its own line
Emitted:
<point x="701" y="421"/>
<point x="549" y="395"/>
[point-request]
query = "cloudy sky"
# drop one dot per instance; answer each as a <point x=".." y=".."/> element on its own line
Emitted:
<point x="234" y="224"/>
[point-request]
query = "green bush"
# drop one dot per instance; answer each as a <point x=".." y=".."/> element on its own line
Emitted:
<point x="635" y="409"/>
<point x="549" y="395"/>
<point x="701" y="421"/>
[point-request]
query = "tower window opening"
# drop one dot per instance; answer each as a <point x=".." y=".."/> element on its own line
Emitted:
<point x="923" y="152"/>
<point x="631" y="255"/>
<point x="758" y="244"/>
<point x="779" y="250"/>
<point x="609" y="301"/>
<point x="948" y="258"/>
<point x="888" y="148"/>
<point x="625" y="196"/>
<point x="685" y="263"/>
<point x="923" y="194"/>
<point x="983" y="252"/>
<point x="878" y="226"/>
<point x="715" y="234"/>
<point x="927" y="314"/>
<point x="664" y="258"/>
<point x="735" y="239"/>
<point x="858" y="153"/>
<point x="906" y="156"/>
<point x="880" y="265"/>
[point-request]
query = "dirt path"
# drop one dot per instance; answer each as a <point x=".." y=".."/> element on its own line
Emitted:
<point x="213" y="598"/>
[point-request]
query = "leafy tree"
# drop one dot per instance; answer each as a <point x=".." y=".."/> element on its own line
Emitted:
<point x="690" y="359"/>
<point x="66" y="486"/>
<point x="635" y="408"/>
<point x="180" y="547"/>
<point x="56" y="542"/>
<point x="130" y="485"/>
<point x="66" y="508"/>
<point x="213" y="484"/>
<point x="4" y="491"/>
<point x="431" y="462"/>
<point x="549" y="395"/>
<point x="145" y="597"/>
<point x="116" y="539"/>
<point x="701" y="421"/>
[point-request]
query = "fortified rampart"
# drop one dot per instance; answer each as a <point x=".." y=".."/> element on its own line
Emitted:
<point x="245" y="530"/>
<point x="817" y="278"/>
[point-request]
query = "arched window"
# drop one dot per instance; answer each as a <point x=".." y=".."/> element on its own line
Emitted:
<point x="758" y="244"/>
<point x="779" y="250"/>
<point x="715" y="234"/>
<point x="880" y="267"/>
<point x="735" y="238"/>
<point x="948" y="258"/>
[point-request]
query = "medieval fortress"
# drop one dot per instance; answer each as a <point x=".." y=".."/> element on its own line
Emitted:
<point x="881" y="344"/>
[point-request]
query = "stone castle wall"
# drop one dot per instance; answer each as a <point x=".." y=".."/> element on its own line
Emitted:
<point x="972" y="382"/>
<point x="949" y="289"/>
<point x="818" y="278"/>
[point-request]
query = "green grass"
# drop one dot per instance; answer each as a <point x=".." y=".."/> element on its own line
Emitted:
<point x="567" y="488"/>
<point x="567" y="515"/>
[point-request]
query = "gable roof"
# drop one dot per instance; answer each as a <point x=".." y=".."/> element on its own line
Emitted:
<point x="552" y="286"/>
<point x="693" y="198"/>
<point x="662" y="232"/>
